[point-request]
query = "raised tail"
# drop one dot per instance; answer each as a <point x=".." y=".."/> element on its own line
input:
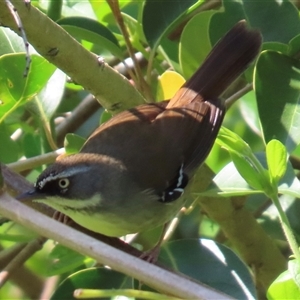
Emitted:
<point x="226" y="61"/>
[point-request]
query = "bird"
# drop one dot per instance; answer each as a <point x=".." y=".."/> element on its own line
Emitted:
<point x="133" y="172"/>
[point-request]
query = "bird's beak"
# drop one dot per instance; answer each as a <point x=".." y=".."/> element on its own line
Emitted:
<point x="31" y="195"/>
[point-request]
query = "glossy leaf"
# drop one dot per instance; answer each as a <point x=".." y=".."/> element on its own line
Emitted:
<point x="133" y="22"/>
<point x="294" y="269"/>
<point x="64" y="260"/>
<point x="16" y="90"/>
<point x="228" y="182"/>
<point x="93" y="278"/>
<point x="244" y="160"/>
<point x="233" y="142"/>
<point x="10" y="42"/>
<point x="158" y="17"/>
<point x="277" y="160"/>
<point x="212" y="264"/>
<point x="277" y="20"/>
<point x="232" y="277"/>
<point x="48" y="99"/>
<point x="285" y="286"/>
<point x="248" y="109"/>
<point x="294" y="46"/>
<point x="195" y="43"/>
<point x="92" y="31"/>
<point x="254" y="177"/>
<point x="277" y="87"/>
<point x="225" y="19"/>
<point x="73" y="143"/>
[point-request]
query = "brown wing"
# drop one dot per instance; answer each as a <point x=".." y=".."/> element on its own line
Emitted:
<point x="163" y="140"/>
<point x="154" y="141"/>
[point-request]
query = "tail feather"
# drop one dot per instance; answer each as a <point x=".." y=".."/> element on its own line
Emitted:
<point x="227" y="60"/>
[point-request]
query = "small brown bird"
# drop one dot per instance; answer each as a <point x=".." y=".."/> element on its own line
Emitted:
<point x="131" y="173"/>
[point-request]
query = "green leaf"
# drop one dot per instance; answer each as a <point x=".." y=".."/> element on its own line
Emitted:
<point x="232" y="277"/>
<point x="223" y="21"/>
<point x="105" y="116"/>
<point x="134" y="24"/>
<point x="73" y="143"/>
<point x="92" y="31"/>
<point x="48" y="99"/>
<point x="195" y="43"/>
<point x="228" y="182"/>
<point x="31" y="144"/>
<point x="284" y="287"/>
<point x="276" y="46"/>
<point x="277" y="20"/>
<point x="294" y="46"/>
<point x="277" y="160"/>
<point x="277" y="79"/>
<point x="8" y="148"/>
<point x="232" y="142"/>
<point x="249" y="113"/>
<point x="248" y="171"/>
<point x="10" y="42"/>
<point x="159" y="16"/>
<point x="220" y="266"/>
<point x="244" y="160"/>
<point x="294" y="269"/>
<point x="93" y="278"/>
<point x="64" y="260"/>
<point x="16" y="90"/>
<point x="103" y="12"/>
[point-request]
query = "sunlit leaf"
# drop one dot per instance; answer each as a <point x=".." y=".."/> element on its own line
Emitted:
<point x="277" y="160"/>
<point x="15" y="90"/>
<point x="278" y="95"/>
<point x="168" y="84"/>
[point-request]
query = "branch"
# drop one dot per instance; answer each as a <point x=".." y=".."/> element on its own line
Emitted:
<point x="148" y="273"/>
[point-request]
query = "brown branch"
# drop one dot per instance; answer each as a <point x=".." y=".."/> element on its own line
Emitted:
<point x="26" y="280"/>
<point x="79" y="115"/>
<point x="150" y="274"/>
<point x="18" y="261"/>
<point x="142" y="84"/>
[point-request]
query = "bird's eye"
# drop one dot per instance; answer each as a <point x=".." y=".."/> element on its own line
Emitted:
<point x="63" y="183"/>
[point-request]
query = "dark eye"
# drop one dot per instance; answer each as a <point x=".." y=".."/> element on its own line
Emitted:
<point x="63" y="183"/>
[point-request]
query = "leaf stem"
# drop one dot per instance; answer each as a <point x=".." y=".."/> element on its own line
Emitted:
<point x="286" y="227"/>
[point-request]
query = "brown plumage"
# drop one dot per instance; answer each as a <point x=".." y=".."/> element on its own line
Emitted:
<point x="132" y="170"/>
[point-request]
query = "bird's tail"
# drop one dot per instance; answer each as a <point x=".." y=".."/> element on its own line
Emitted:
<point x="227" y="60"/>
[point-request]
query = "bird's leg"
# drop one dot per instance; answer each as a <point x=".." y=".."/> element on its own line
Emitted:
<point x="60" y="217"/>
<point x="151" y="255"/>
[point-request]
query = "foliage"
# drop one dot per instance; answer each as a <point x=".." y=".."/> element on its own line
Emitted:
<point x="246" y="212"/>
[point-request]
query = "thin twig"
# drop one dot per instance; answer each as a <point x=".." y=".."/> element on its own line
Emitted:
<point x="30" y="283"/>
<point x="33" y="162"/>
<point x="18" y="21"/>
<point x="31" y="248"/>
<point x="233" y="98"/>
<point x="114" y="5"/>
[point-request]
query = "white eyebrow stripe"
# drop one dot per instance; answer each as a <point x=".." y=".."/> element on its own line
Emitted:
<point x="64" y="174"/>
